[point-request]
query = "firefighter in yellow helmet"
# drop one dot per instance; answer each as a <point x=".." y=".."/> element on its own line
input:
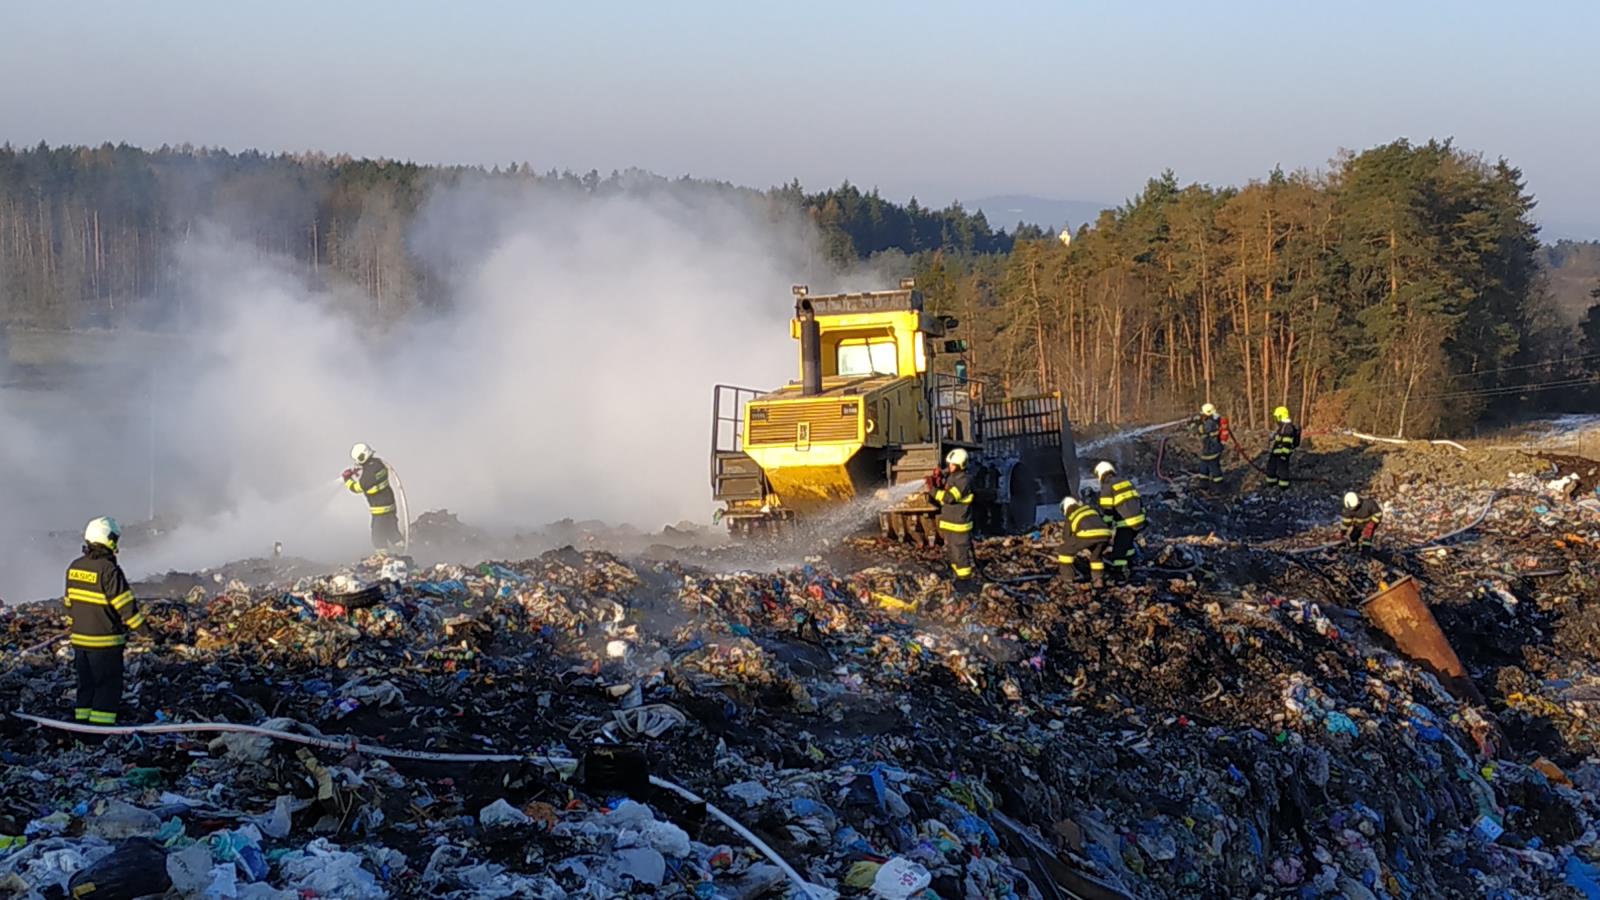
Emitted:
<point x="1285" y="440"/>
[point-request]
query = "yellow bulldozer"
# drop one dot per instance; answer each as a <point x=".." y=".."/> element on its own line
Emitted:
<point x="870" y="418"/>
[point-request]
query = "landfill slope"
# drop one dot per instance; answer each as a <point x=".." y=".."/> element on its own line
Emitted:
<point x="1228" y="725"/>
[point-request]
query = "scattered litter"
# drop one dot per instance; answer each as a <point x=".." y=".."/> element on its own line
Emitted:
<point x="1227" y="725"/>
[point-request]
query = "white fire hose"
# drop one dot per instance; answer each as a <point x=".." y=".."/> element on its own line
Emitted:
<point x="562" y="765"/>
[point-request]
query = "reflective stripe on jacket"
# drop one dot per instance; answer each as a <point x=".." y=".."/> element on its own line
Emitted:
<point x="1286" y="439"/>
<point x="1210" y="437"/>
<point x="955" y="502"/>
<point x="99" y="601"/>
<point x="1367" y="511"/>
<point x="372" y="480"/>
<point x="1120" y="504"/>
<point x="1085" y="529"/>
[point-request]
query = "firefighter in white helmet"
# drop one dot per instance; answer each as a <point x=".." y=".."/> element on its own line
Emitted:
<point x="99" y="602"/>
<point x="370" y="478"/>
<point x="1212" y="429"/>
<point x="1123" y="510"/>
<point x="952" y="490"/>
<point x="1083" y="544"/>
<point x="1362" y="516"/>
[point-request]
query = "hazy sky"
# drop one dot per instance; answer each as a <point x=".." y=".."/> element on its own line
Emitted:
<point x="944" y="100"/>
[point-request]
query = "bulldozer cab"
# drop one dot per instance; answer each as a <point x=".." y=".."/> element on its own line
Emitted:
<point x="863" y="336"/>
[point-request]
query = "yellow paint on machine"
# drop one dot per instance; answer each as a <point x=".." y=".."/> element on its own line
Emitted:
<point x="804" y="446"/>
<point x="808" y="479"/>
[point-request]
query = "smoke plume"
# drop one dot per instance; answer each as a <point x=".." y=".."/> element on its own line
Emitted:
<point x="568" y="375"/>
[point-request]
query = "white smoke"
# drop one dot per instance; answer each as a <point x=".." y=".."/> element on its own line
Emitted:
<point x="571" y="376"/>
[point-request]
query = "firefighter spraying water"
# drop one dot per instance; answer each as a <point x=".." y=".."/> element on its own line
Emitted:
<point x="374" y="479"/>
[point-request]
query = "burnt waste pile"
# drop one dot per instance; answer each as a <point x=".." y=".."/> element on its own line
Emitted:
<point x="583" y="723"/>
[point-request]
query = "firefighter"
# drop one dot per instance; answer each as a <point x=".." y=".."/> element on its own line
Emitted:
<point x="1285" y="440"/>
<point x="370" y="476"/>
<point x="1083" y="543"/>
<point x="1123" y="510"/>
<point x="1361" y="518"/>
<point x="99" y="602"/>
<point x="953" y="492"/>
<point x="1210" y="427"/>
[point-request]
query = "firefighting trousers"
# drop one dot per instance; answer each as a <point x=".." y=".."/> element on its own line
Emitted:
<point x="1122" y="549"/>
<point x="1211" y="469"/>
<point x="99" y="684"/>
<point x="386" y="531"/>
<point x="958" y="551"/>
<point x="1361" y="534"/>
<point x="1278" y="469"/>
<point x="1085" y="565"/>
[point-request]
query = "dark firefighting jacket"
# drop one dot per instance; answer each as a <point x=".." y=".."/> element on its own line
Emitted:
<point x="1210" y="429"/>
<point x="955" y="502"/>
<point x="1085" y="530"/>
<point x="99" y="600"/>
<point x="1120" y="504"/>
<point x="1362" y="522"/>
<point x="372" y="479"/>
<point x="1286" y="439"/>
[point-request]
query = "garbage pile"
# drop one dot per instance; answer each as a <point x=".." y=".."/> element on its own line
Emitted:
<point x="1228" y="725"/>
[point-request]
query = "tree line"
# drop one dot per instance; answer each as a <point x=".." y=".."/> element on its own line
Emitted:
<point x="87" y="234"/>
<point x="1401" y="290"/>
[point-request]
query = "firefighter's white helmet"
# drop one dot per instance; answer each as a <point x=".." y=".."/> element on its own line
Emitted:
<point x="1105" y="468"/>
<point x="1068" y="504"/>
<point x="956" y="458"/>
<point x="1206" y="409"/>
<point x="361" y="453"/>
<point x="103" y="531"/>
<point x="1351" y="501"/>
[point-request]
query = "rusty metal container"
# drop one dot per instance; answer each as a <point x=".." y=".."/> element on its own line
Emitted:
<point x="1399" y="611"/>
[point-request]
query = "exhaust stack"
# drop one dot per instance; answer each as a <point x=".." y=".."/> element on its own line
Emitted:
<point x="810" y="345"/>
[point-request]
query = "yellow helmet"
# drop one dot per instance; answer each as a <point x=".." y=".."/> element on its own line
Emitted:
<point x="1281" y="414"/>
<point x="1207" y="409"/>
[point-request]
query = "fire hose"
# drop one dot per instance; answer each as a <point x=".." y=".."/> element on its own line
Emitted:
<point x="1161" y="453"/>
<point x="1251" y="461"/>
<point x="1432" y="542"/>
<point x="1484" y="514"/>
<point x="43" y="645"/>
<point x="556" y="763"/>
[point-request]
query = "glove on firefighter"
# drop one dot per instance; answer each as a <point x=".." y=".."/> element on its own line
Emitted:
<point x="347" y="474"/>
<point x="935" y="480"/>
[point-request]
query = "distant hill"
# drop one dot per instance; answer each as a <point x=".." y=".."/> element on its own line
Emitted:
<point x="1574" y="269"/>
<point x="1007" y="210"/>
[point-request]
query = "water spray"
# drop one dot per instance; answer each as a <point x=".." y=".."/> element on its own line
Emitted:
<point x="1127" y="434"/>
